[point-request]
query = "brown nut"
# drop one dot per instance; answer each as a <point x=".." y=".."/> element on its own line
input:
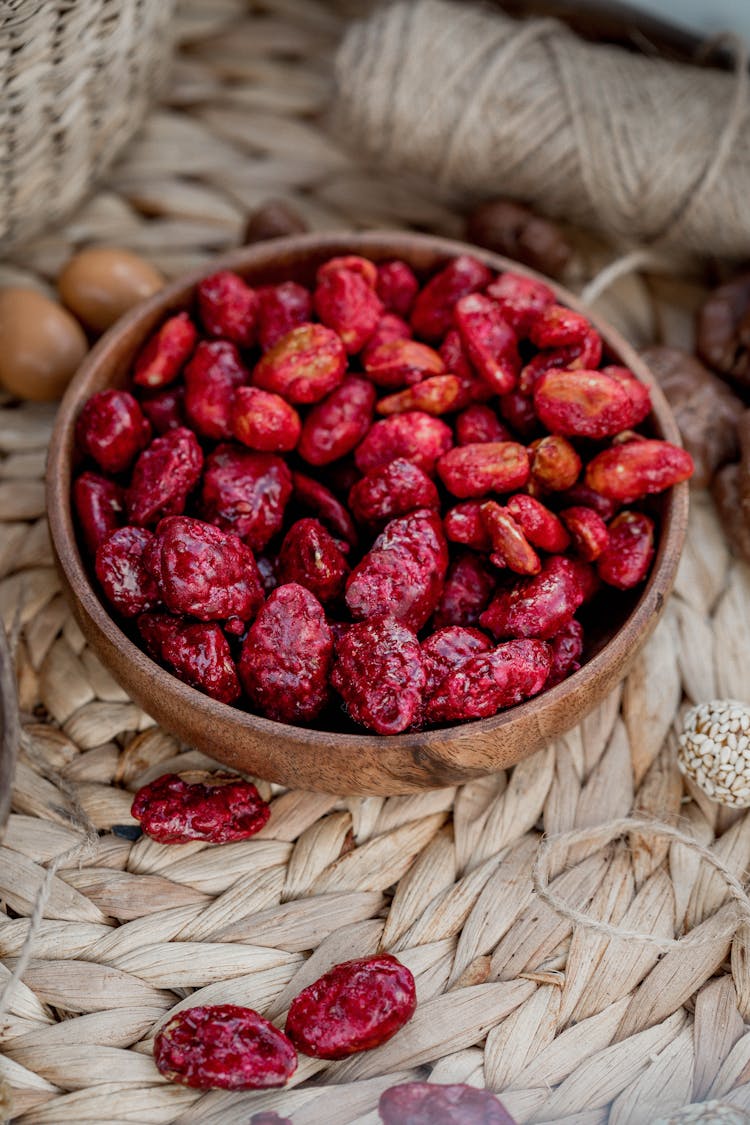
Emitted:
<point x="273" y="219"/>
<point x="723" y="330"/>
<point x="98" y="285"/>
<point x="41" y="345"/>
<point x="511" y="229"/>
<point x="731" y="491"/>
<point x="705" y="409"/>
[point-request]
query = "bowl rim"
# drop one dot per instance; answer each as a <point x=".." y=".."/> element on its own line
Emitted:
<point x="617" y="651"/>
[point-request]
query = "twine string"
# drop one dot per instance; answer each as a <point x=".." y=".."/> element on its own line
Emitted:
<point x="556" y="847"/>
<point x="648" y="151"/>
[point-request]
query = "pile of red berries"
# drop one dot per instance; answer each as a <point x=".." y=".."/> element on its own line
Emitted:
<point x="394" y="494"/>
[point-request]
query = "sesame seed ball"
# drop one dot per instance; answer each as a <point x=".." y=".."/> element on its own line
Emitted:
<point x="714" y="750"/>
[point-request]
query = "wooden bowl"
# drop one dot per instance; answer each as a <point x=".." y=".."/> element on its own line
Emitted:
<point x="339" y="761"/>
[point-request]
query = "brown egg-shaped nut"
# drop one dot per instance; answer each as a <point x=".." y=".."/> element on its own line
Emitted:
<point x="103" y="282"/>
<point x="41" y="345"/>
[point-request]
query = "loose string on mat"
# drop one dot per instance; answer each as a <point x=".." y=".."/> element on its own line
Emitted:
<point x="556" y="847"/>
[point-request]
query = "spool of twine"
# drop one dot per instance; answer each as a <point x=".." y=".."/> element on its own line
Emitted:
<point x="646" y="151"/>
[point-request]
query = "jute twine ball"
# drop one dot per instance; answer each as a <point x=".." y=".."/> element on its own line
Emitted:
<point x="714" y="750"/>
<point x="706" y="1113"/>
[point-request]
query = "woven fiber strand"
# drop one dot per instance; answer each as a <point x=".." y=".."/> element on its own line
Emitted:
<point x="570" y="1026"/>
<point x="76" y="81"/>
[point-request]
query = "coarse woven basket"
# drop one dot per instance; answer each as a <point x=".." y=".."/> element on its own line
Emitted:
<point x="76" y="80"/>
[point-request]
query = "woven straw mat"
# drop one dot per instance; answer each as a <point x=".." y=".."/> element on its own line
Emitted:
<point x="569" y="1025"/>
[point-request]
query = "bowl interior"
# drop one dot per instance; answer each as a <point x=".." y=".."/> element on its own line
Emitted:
<point x="613" y="636"/>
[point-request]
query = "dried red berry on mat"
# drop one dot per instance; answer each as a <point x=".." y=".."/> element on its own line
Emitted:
<point x="483" y="684"/>
<point x="378" y="672"/>
<point x="416" y="436"/>
<point x="168" y="350"/>
<point x="422" y="1103"/>
<point x="217" y="807"/>
<point x="403" y="572"/>
<point x="356" y="1006"/>
<point x="100" y="507"/>
<point x="223" y="1046"/>
<point x="394" y="490"/>
<point x="203" y="571"/>
<point x="264" y="421"/>
<point x="338" y="423"/>
<point x="246" y="493"/>
<point x="228" y="308"/>
<point x="309" y="555"/>
<point x="164" y="476"/>
<point x="119" y="566"/>
<point x="112" y="430"/>
<point x="304" y="366"/>
<point x="286" y="656"/>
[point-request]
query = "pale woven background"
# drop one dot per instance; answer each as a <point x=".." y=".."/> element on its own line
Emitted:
<point x="570" y="1027"/>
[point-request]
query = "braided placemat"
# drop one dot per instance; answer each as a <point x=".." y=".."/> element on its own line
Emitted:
<point x="569" y="1023"/>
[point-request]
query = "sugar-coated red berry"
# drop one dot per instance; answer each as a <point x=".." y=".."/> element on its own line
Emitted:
<point x="304" y="366"/>
<point x="223" y="1046"/>
<point x="469" y="585"/>
<point x="540" y="526"/>
<point x="567" y="648"/>
<point x="520" y="299"/>
<point x="281" y="308"/>
<point x="337" y="424"/>
<point x="423" y="1103"/>
<point x="403" y="572"/>
<point x="166" y="353"/>
<point x="587" y="530"/>
<point x="489" y="341"/>
<point x="211" y="379"/>
<point x="397" y="286"/>
<point x="432" y="314"/>
<point x="345" y="300"/>
<point x="264" y="421"/>
<point x="626" y="559"/>
<point x="633" y="470"/>
<point x="394" y="490"/>
<point x="478" y="423"/>
<point x="100" y="507"/>
<point x="490" y="466"/>
<point x="203" y="571"/>
<point x="416" y="436"/>
<point x="165" y="409"/>
<point x="356" y="1006"/>
<point x="398" y="363"/>
<point x="246" y="492"/>
<point x="164" y="476"/>
<point x="218" y="808"/>
<point x="286" y="656"/>
<point x="197" y="653"/>
<point x="510" y="547"/>
<point x="315" y="497"/>
<point x="120" y="569"/>
<point x="379" y="673"/>
<point x="447" y="649"/>
<point x="542" y="605"/>
<point x="309" y="555"/>
<point x="464" y="524"/>
<point x="489" y="681"/>
<point x="112" y="429"/>
<point x="228" y="308"/>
